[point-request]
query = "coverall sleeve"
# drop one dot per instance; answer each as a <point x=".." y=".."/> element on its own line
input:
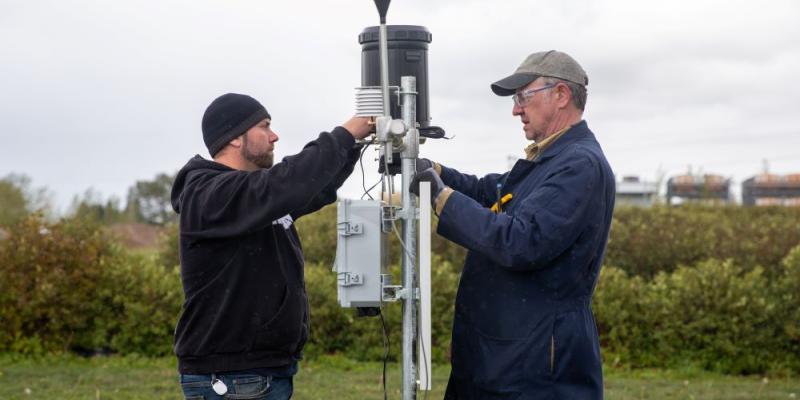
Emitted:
<point x="240" y="202"/>
<point x="545" y="224"/>
<point x="482" y="190"/>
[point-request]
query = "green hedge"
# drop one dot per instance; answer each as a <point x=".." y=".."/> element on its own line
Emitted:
<point x="646" y="241"/>
<point x="643" y="241"/>
<point x="67" y="286"/>
<point x="715" y="314"/>
<point x="718" y="288"/>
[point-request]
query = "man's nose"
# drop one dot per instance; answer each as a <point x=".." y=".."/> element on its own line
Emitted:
<point x="516" y="110"/>
<point x="274" y="137"/>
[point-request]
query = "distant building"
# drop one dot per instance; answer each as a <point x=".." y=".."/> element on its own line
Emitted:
<point x="771" y="190"/>
<point x="634" y="192"/>
<point x="708" y="189"/>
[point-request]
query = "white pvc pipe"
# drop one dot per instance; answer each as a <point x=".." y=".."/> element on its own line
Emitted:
<point x="425" y="286"/>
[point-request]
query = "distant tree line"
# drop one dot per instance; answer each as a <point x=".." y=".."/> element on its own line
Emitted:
<point x="148" y="201"/>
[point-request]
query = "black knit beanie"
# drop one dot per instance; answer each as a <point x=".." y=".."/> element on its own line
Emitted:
<point x="229" y="116"/>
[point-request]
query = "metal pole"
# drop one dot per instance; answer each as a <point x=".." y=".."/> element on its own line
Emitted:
<point x="387" y="112"/>
<point x="408" y="90"/>
<point x="384" y="54"/>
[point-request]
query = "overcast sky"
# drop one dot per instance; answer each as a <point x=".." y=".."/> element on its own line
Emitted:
<point x="103" y="93"/>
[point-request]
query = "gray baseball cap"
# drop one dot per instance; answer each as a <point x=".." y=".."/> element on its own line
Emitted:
<point x="554" y="64"/>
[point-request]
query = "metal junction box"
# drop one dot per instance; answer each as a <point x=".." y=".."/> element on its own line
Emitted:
<point x="360" y="259"/>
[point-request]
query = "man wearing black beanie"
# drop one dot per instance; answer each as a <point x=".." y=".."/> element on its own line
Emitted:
<point x="245" y="315"/>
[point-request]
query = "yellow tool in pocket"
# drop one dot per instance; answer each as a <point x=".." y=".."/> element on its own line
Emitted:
<point x="497" y="207"/>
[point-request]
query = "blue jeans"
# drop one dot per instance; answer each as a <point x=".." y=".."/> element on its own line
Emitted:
<point x="240" y="386"/>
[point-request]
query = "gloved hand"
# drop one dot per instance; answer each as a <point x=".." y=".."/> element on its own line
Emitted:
<point x="428" y="175"/>
<point x="423" y="164"/>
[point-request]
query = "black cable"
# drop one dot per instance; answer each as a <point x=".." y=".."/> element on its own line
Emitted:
<point x="363" y="176"/>
<point x="423" y="350"/>
<point x="373" y="187"/>
<point x="428" y="376"/>
<point x="386" y="342"/>
<point x="385" y="353"/>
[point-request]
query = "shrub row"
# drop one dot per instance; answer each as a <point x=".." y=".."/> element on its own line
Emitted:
<point x="715" y="314"/>
<point x="646" y="241"/>
<point x="68" y="286"/>
<point x="643" y="241"/>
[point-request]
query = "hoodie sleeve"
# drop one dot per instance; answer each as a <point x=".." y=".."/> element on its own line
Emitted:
<point x="229" y="203"/>
<point x="328" y="194"/>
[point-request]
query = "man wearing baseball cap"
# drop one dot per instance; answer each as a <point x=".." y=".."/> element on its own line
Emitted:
<point x="245" y="314"/>
<point x="536" y="236"/>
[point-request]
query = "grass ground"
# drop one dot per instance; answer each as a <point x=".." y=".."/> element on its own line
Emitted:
<point x="68" y="377"/>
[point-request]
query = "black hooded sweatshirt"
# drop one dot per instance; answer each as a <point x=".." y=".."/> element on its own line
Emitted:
<point x="245" y="303"/>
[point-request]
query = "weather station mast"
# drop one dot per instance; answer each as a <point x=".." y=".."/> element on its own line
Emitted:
<point x="394" y="92"/>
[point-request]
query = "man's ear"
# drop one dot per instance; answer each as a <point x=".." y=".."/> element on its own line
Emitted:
<point x="564" y="95"/>
<point x="236" y="142"/>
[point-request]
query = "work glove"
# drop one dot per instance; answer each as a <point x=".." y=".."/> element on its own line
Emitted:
<point x="423" y="164"/>
<point x="428" y="175"/>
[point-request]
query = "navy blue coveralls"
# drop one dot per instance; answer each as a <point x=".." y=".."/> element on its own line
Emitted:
<point x="523" y="325"/>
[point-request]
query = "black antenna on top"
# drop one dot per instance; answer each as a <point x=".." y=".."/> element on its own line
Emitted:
<point x="383" y="7"/>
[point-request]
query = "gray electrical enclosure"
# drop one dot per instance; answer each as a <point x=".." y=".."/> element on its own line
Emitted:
<point x="360" y="259"/>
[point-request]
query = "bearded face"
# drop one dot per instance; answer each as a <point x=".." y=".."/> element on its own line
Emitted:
<point x="259" y="155"/>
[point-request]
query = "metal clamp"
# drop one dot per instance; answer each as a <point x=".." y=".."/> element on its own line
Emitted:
<point x="388" y="216"/>
<point x="350" y="279"/>
<point x="404" y="293"/>
<point x="389" y="292"/>
<point x="349" y="229"/>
